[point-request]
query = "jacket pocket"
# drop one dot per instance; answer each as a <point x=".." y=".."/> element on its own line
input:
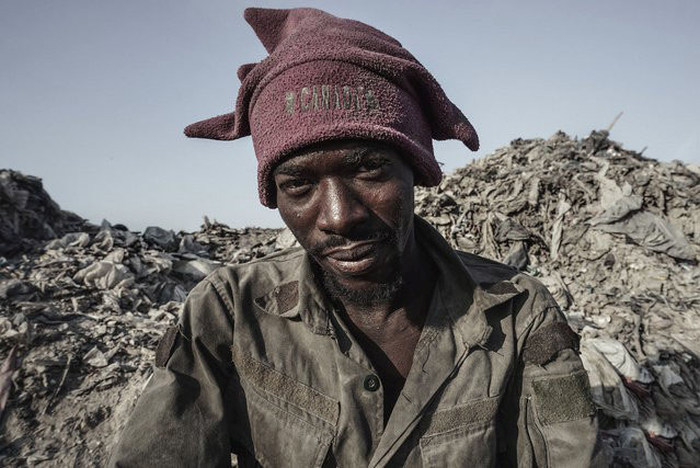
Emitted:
<point x="461" y="436"/>
<point x="281" y="438"/>
<point x="291" y="424"/>
<point x="473" y="445"/>
<point x="561" y="420"/>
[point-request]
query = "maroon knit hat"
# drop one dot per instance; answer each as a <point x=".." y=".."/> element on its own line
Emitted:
<point x="330" y="78"/>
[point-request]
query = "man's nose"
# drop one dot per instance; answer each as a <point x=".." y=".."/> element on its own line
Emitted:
<point x="341" y="210"/>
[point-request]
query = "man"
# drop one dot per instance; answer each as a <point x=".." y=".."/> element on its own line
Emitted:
<point x="374" y="343"/>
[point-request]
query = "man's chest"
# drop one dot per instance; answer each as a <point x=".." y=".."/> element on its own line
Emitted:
<point x="309" y="398"/>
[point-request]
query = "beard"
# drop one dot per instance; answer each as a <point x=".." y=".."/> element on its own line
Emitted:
<point x="381" y="290"/>
<point x="365" y="296"/>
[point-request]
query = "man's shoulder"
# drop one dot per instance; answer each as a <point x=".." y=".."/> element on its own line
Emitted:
<point x="488" y="273"/>
<point x="245" y="282"/>
<point x="272" y="269"/>
<point x="484" y="270"/>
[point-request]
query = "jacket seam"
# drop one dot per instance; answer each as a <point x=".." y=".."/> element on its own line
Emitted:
<point x="217" y="284"/>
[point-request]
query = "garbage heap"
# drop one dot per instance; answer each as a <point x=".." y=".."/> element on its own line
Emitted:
<point x="616" y="239"/>
<point x="80" y="317"/>
<point x="27" y="212"/>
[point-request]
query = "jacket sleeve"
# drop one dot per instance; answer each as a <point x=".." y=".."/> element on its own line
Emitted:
<point x="548" y="411"/>
<point x="181" y="417"/>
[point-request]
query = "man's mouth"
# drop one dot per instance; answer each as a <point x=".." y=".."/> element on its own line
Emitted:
<point x="352" y="259"/>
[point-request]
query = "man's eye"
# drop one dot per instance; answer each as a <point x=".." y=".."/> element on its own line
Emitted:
<point x="295" y="187"/>
<point x="372" y="168"/>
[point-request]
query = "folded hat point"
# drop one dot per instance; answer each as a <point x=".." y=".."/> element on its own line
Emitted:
<point x="220" y="127"/>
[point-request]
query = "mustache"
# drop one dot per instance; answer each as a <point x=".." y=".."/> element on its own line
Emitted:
<point x="380" y="235"/>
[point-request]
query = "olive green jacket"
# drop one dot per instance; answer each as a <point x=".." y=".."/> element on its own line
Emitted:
<point x="261" y="366"/>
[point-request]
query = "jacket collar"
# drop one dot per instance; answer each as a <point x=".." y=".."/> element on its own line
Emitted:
<point x="467" y="293"/>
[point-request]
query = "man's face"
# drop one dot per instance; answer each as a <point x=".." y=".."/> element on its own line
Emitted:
<point x="350" y="205"/>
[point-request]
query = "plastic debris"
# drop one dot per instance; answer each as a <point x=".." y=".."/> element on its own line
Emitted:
<point x="613" y="235"/>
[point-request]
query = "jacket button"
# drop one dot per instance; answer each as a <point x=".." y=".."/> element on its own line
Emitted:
<point x="372" y="383"/>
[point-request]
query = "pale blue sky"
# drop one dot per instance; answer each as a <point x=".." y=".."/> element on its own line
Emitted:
<point x="94" y="94"/>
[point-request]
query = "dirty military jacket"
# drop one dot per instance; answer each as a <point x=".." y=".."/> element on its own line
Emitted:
<point x="261" y="366"/>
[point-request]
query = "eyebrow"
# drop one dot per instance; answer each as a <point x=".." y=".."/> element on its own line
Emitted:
<point x="355" y="157"/>
<point x="290" y="169"/>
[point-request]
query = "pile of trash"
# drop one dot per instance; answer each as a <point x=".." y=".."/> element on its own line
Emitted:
<point x="615" y="236"/>
<point x="616" y="239"/>
<point x="27" y="213"/>
<point x="80" y="317"/>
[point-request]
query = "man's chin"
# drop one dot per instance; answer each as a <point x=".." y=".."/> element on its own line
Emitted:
<point x="358" y="292"/>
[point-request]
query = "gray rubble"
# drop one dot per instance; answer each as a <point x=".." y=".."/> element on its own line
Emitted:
<point x="615" y="236"/>
<point x="84" y="312"/>
<point x="28" y="213"/>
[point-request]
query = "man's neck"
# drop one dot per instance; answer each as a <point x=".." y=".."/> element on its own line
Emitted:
<point x="390" y="330"/>
<point x="410" y="302"/>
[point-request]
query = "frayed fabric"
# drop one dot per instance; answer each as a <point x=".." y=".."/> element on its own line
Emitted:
<point x="547" y="342"/>
<point x="166" y="345"/>
<point x="330" y="78"/>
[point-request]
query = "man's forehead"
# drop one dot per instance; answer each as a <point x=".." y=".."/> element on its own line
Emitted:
<point x="350" y="152"/>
